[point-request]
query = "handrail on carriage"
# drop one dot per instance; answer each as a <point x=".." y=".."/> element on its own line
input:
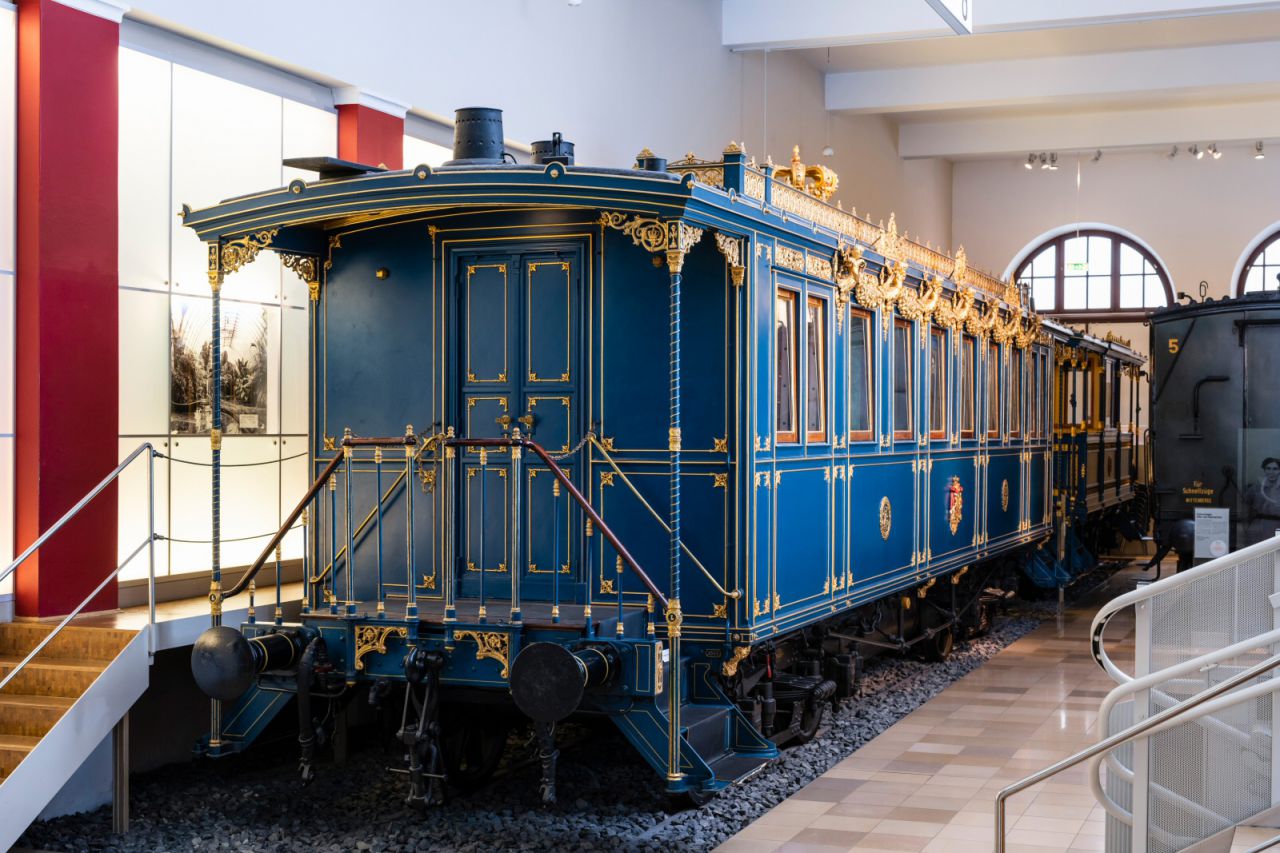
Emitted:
<point x="563" y="479"/>
<point x="599" y="445"/>
<point x="292" y="517"/>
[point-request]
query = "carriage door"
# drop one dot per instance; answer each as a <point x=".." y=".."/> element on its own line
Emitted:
<point x="519" y="356"/>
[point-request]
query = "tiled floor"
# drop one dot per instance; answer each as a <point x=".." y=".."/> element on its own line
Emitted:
<point x="929" y="782"/>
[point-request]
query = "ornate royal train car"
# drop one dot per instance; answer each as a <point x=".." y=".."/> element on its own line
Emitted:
<point x="685" y="441"/>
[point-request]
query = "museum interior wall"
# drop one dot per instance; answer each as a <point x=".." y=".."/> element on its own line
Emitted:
<point x="7" y="107"/>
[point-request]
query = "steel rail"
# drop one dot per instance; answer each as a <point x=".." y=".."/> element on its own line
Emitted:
<point x="558" y="473"/>
<point x="1137" y="730"/>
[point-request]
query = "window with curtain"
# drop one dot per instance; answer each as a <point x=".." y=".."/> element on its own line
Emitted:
<point x="968" y="397"/>
<point x="861" y="386"/>
<point x="1095" y="272"/>
<point x="902" y="395"/>
<point x="785" y="378"/>
<point x="1015" y="394"/>
<point x="937" y="383"/>
<point x="816" y="369"/>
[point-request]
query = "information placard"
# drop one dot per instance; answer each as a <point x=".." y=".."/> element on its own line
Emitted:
<point x="1213" y="532"/>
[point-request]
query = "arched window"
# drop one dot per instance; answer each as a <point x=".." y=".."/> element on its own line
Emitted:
<point x="1090" y="272"/>
<point x="1262" y="270"/>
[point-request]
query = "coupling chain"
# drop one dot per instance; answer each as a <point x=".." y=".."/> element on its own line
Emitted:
<point x="587" y="436"/>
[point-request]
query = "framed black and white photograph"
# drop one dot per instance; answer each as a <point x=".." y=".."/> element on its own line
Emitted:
<point x="245" y="362"/>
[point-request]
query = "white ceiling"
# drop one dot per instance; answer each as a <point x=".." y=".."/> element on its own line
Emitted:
<point x="1037" y="74"/>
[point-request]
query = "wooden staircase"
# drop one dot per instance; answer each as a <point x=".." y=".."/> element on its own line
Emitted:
<point x="60" y="700"/>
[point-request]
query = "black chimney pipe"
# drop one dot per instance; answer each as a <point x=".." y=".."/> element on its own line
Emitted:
<point x="477" y="137"/>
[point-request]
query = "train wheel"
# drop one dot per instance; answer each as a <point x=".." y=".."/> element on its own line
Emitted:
<point x="473" y="747"/>
<point x="938" y="647"/>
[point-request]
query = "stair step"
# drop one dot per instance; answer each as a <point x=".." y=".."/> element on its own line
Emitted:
<point x="31" y="716"/>
<point x="734" y="767"/>
<point x="72" y="643"/>
<point x="54" y="677"/>
<point x="704" y="728"/>
<point x="14" y="748"/>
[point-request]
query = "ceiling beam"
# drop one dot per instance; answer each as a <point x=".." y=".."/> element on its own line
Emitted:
<point x="764" y="25"/>
<point x="1058" y="80"/>
<point x="1085" y="131"/>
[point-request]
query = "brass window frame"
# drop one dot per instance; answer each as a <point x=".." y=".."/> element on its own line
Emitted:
<point x="868" y="339"/>
<point x="792" y="436"/>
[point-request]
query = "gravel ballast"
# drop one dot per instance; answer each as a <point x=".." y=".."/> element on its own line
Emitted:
<point x="609" y="799"/>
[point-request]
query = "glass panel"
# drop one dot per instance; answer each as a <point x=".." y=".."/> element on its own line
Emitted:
<point x="144" y="362"/>
<point x="253" y="513"/>
<point x="1042" y="291"/>
<point x="1045" y="264"/>
<point x="966" y="386"/>
<point x="902" y="378"/>
<point x="1100" y="256"/>
<point x="1253" y="279"/>
<point x="1073" y="294"/>
<point x="1131" y="291"/>
<point x="937" y="384"/>
<point x="145" y="207"/>
<point x="189" y="513"/>
<point x="816" y="370"/>
<point x="1155" y="293"/>
<point x="785" y="335"/>
<point x="293" y="370"/>
<point x="1131" y="260"/>
<point x="1099" y="292"/>
<point x="859" y="374"/>
<point x="1076" y="256"/>
<point x="131" y="511"/>
<point x="293" y="485"/>
<point x="993" y="389"/>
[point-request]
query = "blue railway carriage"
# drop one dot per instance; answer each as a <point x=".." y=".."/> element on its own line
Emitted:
<point x="673" y="445"/>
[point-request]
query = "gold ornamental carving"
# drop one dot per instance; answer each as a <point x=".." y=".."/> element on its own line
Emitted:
<point x="731" y="248"/>
<point x="953" y="313"/>
<point x="919" y="304"/>
<point x="849" y="269"/>
<point x="675" y="618"/>
<point x="306" y="268"/>
<point x="889" y="243"/>
<point x="792" y="259"/>
<point x="818" y="181"/>
<point x="818" y="267"/>
<point x="955" y="504"/>
<point x="373" y="638"/>
<point x="1004" y="495"/>
<point x="648" y="234"/>
<point x="709" y="172"/>
<point x="886" y="517"/>
<point x="495" y="645"/>
<point x="242" y="250"/>
<point x="730" y="667"/>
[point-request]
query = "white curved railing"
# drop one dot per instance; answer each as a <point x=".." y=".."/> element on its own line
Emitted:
<point x="1205" y="771"/>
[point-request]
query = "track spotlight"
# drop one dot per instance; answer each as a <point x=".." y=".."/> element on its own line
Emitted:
<point x="1213" y="149"/>
<point x="828" y="151"/>
<point x="1053" y="162"/>
<point x="1173" y="152"/>
<point x="575" y="2"/>
<point x="1195" y="152"/>
<point x="1257" y="151"/>
<point x="1044" y="160"/>
<point x="1097" y="155"/>
<point x="1031" y="161"/>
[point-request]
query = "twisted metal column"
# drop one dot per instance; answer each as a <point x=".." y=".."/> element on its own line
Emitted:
<point x="215" y="444"/>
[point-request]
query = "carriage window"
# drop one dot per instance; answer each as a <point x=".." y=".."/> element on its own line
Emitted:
<point x="993" y="390"/>
<point x="1033" y="397"/>
<point x="937" y="384"/>
<point x="816" y="370"/>
<point x="785" y="335"/>
<point x="902" y="379"/>
<point x="967" y="399"/>
<point x="1015" y="395"/>
<point x="860" y="385"/>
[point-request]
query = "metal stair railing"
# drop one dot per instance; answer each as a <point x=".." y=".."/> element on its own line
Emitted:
<point x="1198" y="574"/>
<point x="149" y="543"/>
<point x="1164" y="720"/>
